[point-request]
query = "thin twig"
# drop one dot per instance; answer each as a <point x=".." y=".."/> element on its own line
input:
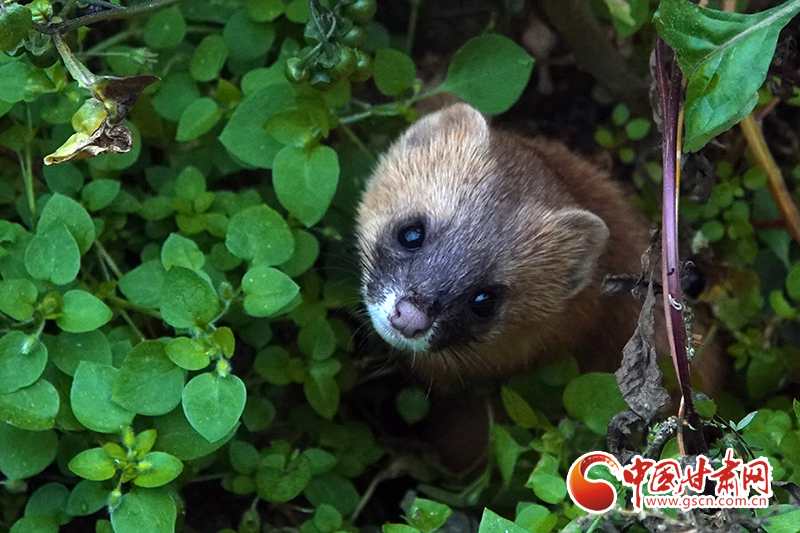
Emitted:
<point x="108" y="14"/>
<point x="358" y="142"/>
<point x="777" y="187"/>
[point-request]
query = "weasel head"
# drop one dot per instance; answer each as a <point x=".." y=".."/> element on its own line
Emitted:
<point x="461" y="249"/>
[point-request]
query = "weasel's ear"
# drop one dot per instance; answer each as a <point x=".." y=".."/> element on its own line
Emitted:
<point x="576" y="239"/>
<point x="458" y="123"/>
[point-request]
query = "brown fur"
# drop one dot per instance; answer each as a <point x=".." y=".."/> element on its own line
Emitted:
<point x="554" y="253"/>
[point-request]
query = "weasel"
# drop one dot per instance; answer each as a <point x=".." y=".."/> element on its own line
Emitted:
<point x="483" y="251"/>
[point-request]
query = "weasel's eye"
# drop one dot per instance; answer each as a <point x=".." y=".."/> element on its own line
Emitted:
<point x="411" y="236"/>
<point x="484" y="304"/>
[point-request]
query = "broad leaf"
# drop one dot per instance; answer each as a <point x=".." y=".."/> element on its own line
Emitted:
<point x="725" y="57"/>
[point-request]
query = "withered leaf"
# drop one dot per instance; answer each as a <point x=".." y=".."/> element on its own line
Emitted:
<point x="106" y="139"/>
<point x="119" y="94"/>
<point x="639" y="377"/>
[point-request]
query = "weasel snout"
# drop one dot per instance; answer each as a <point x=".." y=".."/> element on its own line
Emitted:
<point x="410" y="320"/>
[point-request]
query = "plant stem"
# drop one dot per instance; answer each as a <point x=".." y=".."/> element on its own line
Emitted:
<point x="595" y="524"/>
<point x="777" y="187"/>
<point x="108" y="14"/>
<point x="107" y="259"/>
<point x="79" y="72"/>
<point x="358" y="142"/>
<point x="111" y="41"/>
<point x="412" y="25"/>
<point x="670" y="89"/>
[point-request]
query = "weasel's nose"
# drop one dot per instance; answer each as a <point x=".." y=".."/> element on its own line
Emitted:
<point x="409" y="319"/>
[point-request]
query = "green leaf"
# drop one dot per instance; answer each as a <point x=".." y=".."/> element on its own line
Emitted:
<point x="198" y="118"/>
<point x="259" y="235"/>
<point x="188" y="353"/>
<point x="148" y="382"/>
<point x="427" y="515"/>
<point x="49" y="501"/>
<point x="68" y="350"/>
<point x="299" y="127"/>
<point x="519" y="410"/>
<point x="267" y="291"/>
<point x="244" y="135"/>
<point x="394" y="71"/>
<point x="183" y="252"/>
<point x="305" y="181"/>
<point x="273" y="364"/>
<point x="281" y="484"/>
<point x="165" y="29"/>
<point x="506" y="450"/>
<point x="327" y="519"/>
<point x="157" y="469"/>
<point x="637" y="129"/>
<point x="320" y="460"/>
<point x="489" y="72"/>
<point x="190" y="184"/>
<point x="81" y="312"/>
<point x="100" y="193"/>
<point x="177" y="437"/>
<point x="34" y="407"/>
<point x="90" y="398"/>
<point x="397" y="528"/>
<point x="535" y="518"/>
<point x="144" y="511"/>
<point x="87" y="498"/>
<point x="628" y="15"/>
<point x="18" y="298"/>
<point x="142" y="285"/>
<point x="187" y="299"/>
<point x="317" y="340"/>
<point x="63" y="179"/>
<point x="781" y="307"/>
<point x="322" y="393"/>
<point x="15" y="21"/>
<point x="306" y="251"/>
<point x="22" y="361"/>
<point x="25" y="453"/>
<point x="545" y="481"/>
<point x="264" y="10"/>
<point x="34" y="524"/>
<point x="247" y="39"/>
<point x="244" y="457"/>
<point x="143" y="442"/>
<point x="177" y="91"/>
<point x="213" y="404"/>
<point x="793" y="282"/>
<point x="594" y="398"/>
<point x="725" y="57"/>
<point x="224" y="338"/>
<point x="258" y="414"/>
<point x="208" y="58"/>
<point x="332" y="489"/>
<point x="14" y="81"/>
<point x="65" y="210"/>
<point x="53" y="255"/>
<point x="93" y="464"/>
<point x="413" y="404"/>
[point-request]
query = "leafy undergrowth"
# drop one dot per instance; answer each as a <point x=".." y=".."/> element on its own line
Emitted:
<point x="181" y="340"/>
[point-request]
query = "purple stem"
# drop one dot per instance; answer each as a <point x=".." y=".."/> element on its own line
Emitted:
<point x="670" y="92"/>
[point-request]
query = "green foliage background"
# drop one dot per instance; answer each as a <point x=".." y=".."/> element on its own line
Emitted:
<point x="177" y="313"/>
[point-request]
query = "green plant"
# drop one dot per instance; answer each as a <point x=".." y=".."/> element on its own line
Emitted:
<point x="170" y="307"/>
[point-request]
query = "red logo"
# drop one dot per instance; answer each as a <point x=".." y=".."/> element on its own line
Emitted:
<point x="593" y="496"/>
<point x="663" y="484"/>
